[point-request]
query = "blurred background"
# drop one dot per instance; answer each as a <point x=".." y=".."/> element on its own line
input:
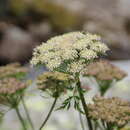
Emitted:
<point x="25" y="24"/>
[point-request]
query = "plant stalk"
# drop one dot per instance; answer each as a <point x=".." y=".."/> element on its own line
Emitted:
<point x="27" y="114"/>
<point x="20" y="118"/>
<point x="84" y="104"/>
<point x="81" y="121"/>
<point x="49" y="114"/>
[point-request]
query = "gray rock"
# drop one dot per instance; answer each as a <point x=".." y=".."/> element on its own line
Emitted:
<point x="16" y="45"/>
<point x="41" y="30"/>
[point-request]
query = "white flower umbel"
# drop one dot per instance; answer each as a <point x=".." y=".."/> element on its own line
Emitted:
<point x="71" y="52"/>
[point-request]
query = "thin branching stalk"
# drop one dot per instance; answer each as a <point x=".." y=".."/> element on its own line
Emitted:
<point x="27" y="113"/>
<point x="95" y="125"/>
<point x="81" y="121"/>
<point x="49" y="114"/>
<point x="104" y="124"/>
<point x="84" y="104"/>
<point x="20" y="118"/>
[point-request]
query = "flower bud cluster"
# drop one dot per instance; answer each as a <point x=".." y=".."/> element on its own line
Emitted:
<point x="10" y="86"/>
<point x="111" y="110"/>
<point x="104" y="70"/>
<point x="54" y="82"/>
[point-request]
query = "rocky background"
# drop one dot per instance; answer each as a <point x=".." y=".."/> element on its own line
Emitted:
<point x="26" y="23"/>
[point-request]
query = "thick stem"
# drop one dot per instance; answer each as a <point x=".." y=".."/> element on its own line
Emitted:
<point x="81" y="121"/>
<point x="27" y="114"/>
<point x="84" y="104"/>
<point x="49" y="114"/>
<point x="20" y="118"/>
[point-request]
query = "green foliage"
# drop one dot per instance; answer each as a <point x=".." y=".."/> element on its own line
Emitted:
<point x="67" y="103"/>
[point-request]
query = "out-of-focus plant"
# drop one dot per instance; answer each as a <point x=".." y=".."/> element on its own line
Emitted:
<point x="69" y="54"/>
<point x="109" y="113"/>
<point x="105" y="73"/>
<point x="11" y="91"/>
<point x="13" y="70"/>
<point x="12" y="88"/>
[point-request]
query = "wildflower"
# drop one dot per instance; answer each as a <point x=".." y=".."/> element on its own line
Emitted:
<point x="76" y="67"/>
<point x="11" y="86"/>
<point x="111" y="110"/>
<point x="11" y="90"/>
<point x="68" y="53"/>
<point x="54" y="83"/>
<point x="12" y="70"/>
<point x="104" y="70"/>
<point x="67" y="50"/>
<point x="105" y="73"/>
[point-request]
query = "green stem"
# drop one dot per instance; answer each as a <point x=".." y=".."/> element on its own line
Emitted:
<point x="109" y="127"/>
<point x="27" y="114"/>
<point x="95" y="125"/>
<point x="84" y="104"/>
<point x="81" y="121"/>
<point x="20" y="118"/>
<point x="49" y="114"/>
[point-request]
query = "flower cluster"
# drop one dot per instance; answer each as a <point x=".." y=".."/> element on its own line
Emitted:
<point x="112" y="110"/>
<point x="11" y="90"/>
<point x="12" y="70"/>
<point x="54" y="83"/>
<point x="105" y="73"/>
<point x="69" y="52"/>
<point x="10" y="86"/>
<point x="104" y="70"/>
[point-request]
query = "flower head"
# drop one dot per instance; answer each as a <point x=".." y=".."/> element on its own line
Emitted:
<point x="54" y="83"/>
<point x="12" y="70"/>
<point x="11" y="86"/>
<point x="11" y="90"/>
<point x="111" y="110"/>
<point x="104" y="70"/>
<point x="66" y="50"/>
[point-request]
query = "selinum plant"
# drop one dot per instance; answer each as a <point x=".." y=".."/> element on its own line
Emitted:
<point x="70" y="53"/>
<point x="109" y="113"/>
<point x="68" y="57"/>
<point x="105" y="73"/>
<point x="12" y="89"/>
